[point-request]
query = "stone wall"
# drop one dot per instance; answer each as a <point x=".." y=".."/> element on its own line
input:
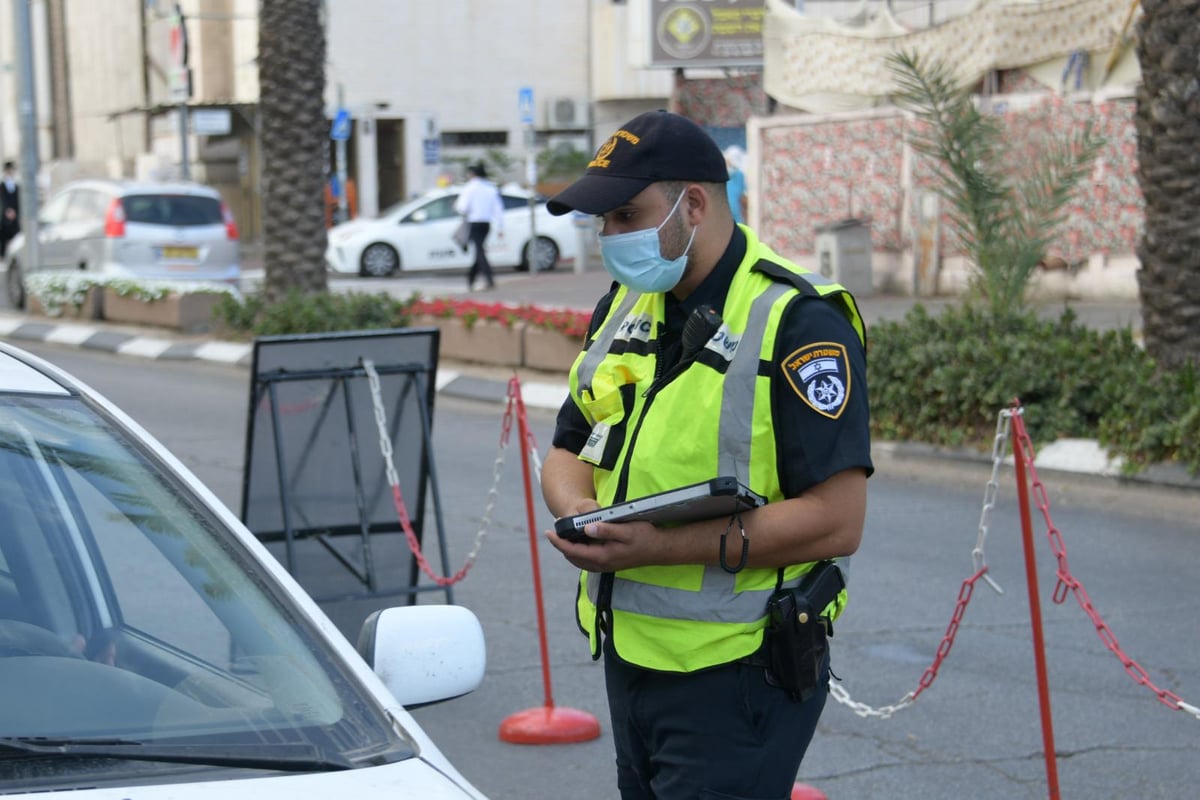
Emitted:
<point x="811" y="170"/>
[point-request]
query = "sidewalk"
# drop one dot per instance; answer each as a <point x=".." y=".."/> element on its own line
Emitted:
<point x="547" y="391"/>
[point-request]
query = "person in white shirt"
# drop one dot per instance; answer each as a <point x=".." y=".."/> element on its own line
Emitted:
<point x="482" y="207"/>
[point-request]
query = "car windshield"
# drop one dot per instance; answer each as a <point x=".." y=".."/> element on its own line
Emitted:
<point x="129" y="612"/>
<point x="179" y="210"/>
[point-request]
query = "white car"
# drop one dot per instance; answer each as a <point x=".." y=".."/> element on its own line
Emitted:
<point x="419" y="235"/>
<point x="151" y="647"/>
<point x="178" y="231"/>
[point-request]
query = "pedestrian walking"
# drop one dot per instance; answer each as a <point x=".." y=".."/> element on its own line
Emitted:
<point x="710" y="355"/>
<point x="10" y="206"/>
<point x="481" y="206"/>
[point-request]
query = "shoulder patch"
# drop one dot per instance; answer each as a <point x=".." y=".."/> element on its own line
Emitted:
<point x="820" y="375"/>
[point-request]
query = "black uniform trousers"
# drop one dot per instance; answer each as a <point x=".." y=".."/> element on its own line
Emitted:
<point x="718" y="733"/>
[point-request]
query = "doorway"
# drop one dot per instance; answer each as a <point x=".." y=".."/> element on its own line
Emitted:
<point x="389" y="152"/>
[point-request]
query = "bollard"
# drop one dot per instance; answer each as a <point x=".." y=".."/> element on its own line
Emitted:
<point x="545" y="724"/>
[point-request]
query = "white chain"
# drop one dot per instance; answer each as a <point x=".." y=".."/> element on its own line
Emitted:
<point x="999" y="448"/>
<point x="1189" y="708"/>
<point x="864" y="710"/>
<point x="385" y="448"/>
<point x="385" y="441"/>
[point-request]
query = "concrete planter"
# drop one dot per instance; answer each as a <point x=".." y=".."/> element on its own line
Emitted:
<point x="549" y="350"/>
<point x="189" y="313"/>
<point x="485" y="342"/>
<point x="90" y="309"/>
<point x="490" y="342"/>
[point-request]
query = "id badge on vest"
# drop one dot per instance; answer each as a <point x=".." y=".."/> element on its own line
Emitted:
<point x="604" y="443"/>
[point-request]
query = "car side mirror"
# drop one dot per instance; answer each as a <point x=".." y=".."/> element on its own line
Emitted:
<point x="420" y="215"/>
<point x="424" y="654"/>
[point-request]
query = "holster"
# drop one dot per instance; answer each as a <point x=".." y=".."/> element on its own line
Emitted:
<point x="796" y="634"/>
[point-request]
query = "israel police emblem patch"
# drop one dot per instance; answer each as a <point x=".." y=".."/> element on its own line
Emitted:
<point x="820" y="374"/>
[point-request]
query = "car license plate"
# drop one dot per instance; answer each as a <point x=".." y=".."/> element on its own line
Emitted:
<point x="190" y="253"/>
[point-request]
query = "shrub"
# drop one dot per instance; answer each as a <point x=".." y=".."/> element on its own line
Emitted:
<point x="299" y="313"/>
<point x="311" y="313"/>
<point x="942" y="380"/>
<point x="938" y="379"/>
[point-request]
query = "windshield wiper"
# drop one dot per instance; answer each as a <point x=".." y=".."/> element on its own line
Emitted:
<point x="281" y="757"/>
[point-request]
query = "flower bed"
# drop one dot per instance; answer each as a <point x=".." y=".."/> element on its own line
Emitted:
<point x="505" y="335"/>
<point x="569" y="322"/>
<point x="182" y="305"/>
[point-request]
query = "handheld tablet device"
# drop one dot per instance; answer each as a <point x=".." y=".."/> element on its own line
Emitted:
<point x="718" y="497"/>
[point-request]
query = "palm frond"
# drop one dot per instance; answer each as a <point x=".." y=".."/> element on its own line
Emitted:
<point x="1004" y="222"/>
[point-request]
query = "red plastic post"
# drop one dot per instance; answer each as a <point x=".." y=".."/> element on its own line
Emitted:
<point x="802" y="791"/>
<point x="1035" y="616"/>
<point x="547" y="724"/>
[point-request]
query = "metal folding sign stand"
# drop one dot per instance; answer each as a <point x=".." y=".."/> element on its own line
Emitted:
<point x="317" y="465"/>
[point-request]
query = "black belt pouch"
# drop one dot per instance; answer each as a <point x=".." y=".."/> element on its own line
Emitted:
<point x="796" y="634"/>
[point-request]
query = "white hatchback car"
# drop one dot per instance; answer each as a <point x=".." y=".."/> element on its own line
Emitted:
<point x="151" y="647"/>
<point x="419" y="235"/>
<point x="120" y="228"/>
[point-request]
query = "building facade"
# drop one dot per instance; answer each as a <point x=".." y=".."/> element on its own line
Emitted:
<point x="428" y="87"/>
<point x="431" y="86"/>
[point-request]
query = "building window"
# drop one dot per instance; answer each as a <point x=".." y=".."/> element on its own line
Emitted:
<point x="474" y="138"/>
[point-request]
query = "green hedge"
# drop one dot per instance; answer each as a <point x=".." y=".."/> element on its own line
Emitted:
<point x="938" y="379"/>
<point x="942" y="379"/>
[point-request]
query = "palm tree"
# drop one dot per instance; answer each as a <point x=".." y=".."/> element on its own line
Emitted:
<point x="1005" y="220"/>
<point x="291" y="75"/>
<point x="1168" y="127"/>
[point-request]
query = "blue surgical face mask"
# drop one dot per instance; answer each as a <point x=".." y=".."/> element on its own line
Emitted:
<point x="635" y="259"/>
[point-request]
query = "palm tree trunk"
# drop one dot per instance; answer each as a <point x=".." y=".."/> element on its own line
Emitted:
<point x="1168" y="127"/>
<point x="291" y="74"/>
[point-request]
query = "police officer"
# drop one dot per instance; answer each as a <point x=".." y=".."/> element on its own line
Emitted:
<point x="710" y="355"/>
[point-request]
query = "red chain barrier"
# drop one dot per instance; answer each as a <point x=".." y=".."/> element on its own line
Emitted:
<point x="838" y="692"/>
<point x="414" y="544"/>
<point x="1068" y="582"/>
<point x="960" y="608"/>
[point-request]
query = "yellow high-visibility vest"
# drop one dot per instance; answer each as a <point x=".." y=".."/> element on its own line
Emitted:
<point x="712" y="418"/>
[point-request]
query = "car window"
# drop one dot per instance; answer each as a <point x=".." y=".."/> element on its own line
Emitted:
<point x="179" y="210"/>
<point x="86" y="205"/>
<point x="56" y="208"/>
<point x="441" y="208"/>
<point x="132" y="561"/>
<point x="117" y="583"/>
<point x="511" y="202"/>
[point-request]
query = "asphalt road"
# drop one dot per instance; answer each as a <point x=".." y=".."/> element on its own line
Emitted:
<point x="975" y="732"/>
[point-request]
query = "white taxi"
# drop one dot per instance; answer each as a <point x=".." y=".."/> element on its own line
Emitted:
<point x="419" y="235"/>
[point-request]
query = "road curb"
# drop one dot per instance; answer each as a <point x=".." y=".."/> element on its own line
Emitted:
<point x="1069" y="456"/>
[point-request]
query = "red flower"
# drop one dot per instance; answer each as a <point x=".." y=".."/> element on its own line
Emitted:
<point x="568" y="321"/>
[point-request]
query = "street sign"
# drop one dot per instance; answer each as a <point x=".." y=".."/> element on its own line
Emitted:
<point x="525" y="104"/>
<point x="211" y="121"/>
<point x="433" y="150"/>
<point x="339" y="131"/>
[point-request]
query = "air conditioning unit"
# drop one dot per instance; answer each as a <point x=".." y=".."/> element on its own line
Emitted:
<point x="566" y="112"/>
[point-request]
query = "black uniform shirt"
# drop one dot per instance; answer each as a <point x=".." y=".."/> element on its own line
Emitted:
<point x="818" y="380"/>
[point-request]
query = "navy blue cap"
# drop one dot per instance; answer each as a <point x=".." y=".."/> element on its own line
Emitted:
<point x="651" y="147"/>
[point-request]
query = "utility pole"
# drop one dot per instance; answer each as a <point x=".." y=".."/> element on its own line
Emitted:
<point x="525" y="109"/>
<point x="27" y="112"/>
<point x="343" y="198"/>
<point x="181" y="85"/>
